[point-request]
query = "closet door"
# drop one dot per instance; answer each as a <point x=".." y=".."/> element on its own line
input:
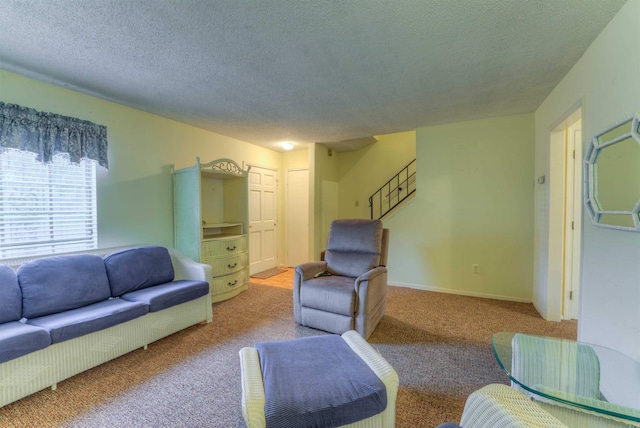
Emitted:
<point x="263" y="214"/>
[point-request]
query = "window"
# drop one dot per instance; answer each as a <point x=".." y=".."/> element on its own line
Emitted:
<point x="46" y="208"/>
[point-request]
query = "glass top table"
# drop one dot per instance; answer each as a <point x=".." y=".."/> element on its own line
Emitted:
<point x="576" y="374"/>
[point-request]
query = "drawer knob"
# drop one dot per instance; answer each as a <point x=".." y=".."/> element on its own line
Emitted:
<point x="231" y="248"/>
<point x="231" y="284"/>
<point x="232" y="266"/>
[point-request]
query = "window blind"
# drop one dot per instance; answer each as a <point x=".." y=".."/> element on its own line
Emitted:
<point x="46" y="208"/>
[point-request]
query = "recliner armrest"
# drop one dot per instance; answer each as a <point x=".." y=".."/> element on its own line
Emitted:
<point x="371" y="289"/>
<point x="310" y="269"/>
<point x="371" y="286"/>
<point x="371" y="274"/>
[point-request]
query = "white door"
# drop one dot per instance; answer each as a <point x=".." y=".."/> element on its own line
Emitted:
<point x="297" y="220"/>
<point x="263" y="190"/>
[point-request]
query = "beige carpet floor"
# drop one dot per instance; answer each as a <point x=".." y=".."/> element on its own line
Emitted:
<point x="438" y="343"/>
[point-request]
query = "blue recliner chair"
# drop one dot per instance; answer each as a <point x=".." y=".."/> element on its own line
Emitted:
<point x="348" y="289"/>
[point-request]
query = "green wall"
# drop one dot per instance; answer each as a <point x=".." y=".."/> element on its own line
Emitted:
<point x="325" y="195"/>
<point x="605" y="83"/>
<point x="135" y="202"/>
<point x="473" y="205"/>
<point x="362" y="172"/>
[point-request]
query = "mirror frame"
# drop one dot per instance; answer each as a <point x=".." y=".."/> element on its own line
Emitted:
<point x="591" y="203"/>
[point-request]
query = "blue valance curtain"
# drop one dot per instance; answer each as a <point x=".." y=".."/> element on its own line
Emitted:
<point x="46" y="134"/>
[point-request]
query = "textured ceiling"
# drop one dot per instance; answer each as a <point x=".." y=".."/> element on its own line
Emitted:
<point x="305" y="71"/>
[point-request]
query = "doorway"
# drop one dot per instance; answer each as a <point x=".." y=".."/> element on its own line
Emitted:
<point x="565" y="212"/>
<point x="573" y="220"/>
<point x="263" y="215"/>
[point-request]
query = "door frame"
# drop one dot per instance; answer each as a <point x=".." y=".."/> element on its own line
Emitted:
<point x="563" y="243"/>
<point x="573" y="221"/>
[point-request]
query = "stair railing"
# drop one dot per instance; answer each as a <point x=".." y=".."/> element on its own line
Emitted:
<point x="393" y="192"/>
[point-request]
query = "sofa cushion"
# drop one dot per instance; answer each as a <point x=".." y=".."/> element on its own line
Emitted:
<point x="330" y="294"/>
<point x="10" y="295"/>
<point x="18" y="339"/>
<point x="88" y="319"/>
<point x="56" y="284"/>
<point x="317" y="381"/>
<point x="353" y="246"/>
<point x="167" y="295"/>
<point x="136" y="268"/>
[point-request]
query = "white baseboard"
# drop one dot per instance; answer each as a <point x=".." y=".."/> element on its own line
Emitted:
<point x="460" y="292"/>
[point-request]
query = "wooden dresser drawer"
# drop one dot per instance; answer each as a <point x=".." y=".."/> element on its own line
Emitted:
<point x="226" y="265"/>
<point x="230" y="282"/>
<point x="223" y="247"/>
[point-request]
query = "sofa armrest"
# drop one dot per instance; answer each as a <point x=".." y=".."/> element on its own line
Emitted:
<point x="185" y="268"/>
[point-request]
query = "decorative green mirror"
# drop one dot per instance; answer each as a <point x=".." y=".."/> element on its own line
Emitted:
<point x="612" y="176"/>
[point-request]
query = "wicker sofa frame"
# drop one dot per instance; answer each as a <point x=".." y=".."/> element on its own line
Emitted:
<point x="42" y="369"/>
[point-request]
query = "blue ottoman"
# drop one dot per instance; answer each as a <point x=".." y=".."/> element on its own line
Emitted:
<point x="314" y="381"/>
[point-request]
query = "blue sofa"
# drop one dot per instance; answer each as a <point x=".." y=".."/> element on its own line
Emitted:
<point x="65" y="314"/>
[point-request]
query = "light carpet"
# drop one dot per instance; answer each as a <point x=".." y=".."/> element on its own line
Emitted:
<point x="438" y="343"/>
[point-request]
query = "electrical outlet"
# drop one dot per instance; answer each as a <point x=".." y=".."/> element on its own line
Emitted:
<point x="475" y="268"/>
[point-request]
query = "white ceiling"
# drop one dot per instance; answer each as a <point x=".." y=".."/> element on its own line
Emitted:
<point x="305" y="71"/>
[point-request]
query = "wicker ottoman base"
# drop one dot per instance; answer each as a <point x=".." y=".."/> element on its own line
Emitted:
<point x="253" y="396"/>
